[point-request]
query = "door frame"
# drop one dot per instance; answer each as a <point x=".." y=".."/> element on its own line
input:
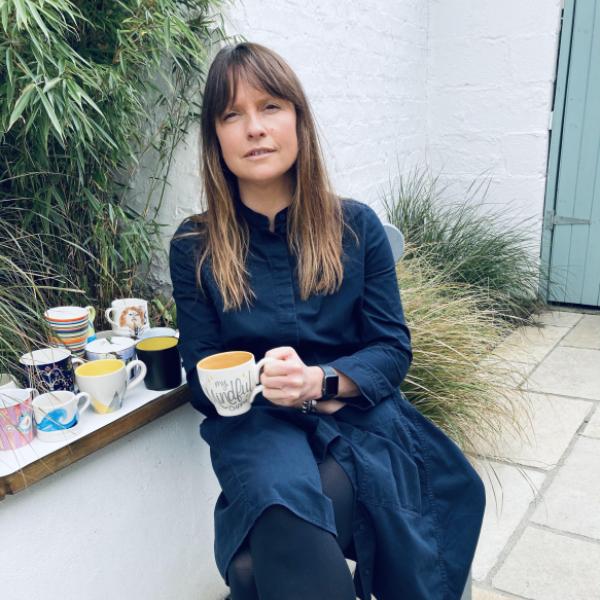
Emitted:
<point x="555" y="142"/>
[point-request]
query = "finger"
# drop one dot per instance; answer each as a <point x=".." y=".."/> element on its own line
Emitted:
<point x="290" y="381"/>
<point x="282" y="368"/>
<point x="281" y="352"/>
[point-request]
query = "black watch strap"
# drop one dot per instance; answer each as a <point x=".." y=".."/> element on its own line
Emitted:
<point x="330" y="386"/>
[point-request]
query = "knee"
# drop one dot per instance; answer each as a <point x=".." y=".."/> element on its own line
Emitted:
<point x="240" y="573"/>
<point x="278" y="530"/>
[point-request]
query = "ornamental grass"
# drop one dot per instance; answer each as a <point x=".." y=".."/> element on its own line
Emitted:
<point x="452" y="379"/>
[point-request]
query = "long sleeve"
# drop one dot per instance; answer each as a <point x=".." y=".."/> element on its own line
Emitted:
<point x="197" y="318"/>
<point x="379" y="367"/>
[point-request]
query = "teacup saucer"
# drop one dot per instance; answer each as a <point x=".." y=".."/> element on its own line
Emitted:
<point x="61" y="435"/>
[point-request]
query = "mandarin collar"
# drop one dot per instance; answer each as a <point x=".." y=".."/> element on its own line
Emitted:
<point x="259" y="221"/>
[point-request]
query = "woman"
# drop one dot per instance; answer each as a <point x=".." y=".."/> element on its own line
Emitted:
<point x="331" y="461"/>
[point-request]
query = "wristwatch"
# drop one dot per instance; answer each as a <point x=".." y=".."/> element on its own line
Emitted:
<point x="329" y="389"/>
<point x="331" y="381"/>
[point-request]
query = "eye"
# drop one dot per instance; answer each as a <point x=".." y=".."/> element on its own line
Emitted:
<point x="227" y="115"/>
<point x="272" y="106"/>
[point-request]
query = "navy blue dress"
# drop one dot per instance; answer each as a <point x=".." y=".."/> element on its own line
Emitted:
<point x="420" y="503"/>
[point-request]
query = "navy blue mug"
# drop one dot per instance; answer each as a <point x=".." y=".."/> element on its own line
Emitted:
<point x="49" y="369"/>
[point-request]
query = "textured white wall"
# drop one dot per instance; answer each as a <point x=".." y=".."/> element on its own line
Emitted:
<point x="489" y="96"/>
<point x="132" y="521"/>
<point x="362" y="64"/>
<point x="464" y="88"/>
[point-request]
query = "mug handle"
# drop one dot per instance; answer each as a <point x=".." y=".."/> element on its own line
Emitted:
<point x="91" y="312"/>
<point x="259" y="365"/>
<point x="139" y="377"/>
<point x="107" y="314"/>
<point x="86" y="401"/>
<point x="75" y="360"/>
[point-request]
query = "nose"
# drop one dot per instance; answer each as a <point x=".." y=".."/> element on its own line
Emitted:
<point x="255" y="127"/>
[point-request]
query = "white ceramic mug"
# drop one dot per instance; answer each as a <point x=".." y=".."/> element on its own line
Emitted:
<point x="57" y="413"/>
<point x="231" y="380"/>
<point x="107" y="381"/>
<point x="128" y="316"/>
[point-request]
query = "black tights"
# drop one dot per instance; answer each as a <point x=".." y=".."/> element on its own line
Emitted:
<point x="286" y="558"/>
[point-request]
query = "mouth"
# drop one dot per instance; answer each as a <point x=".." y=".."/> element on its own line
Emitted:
<point x="259" y="153"/>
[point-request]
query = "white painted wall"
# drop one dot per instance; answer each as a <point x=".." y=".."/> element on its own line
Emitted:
<point x="463" y="88"/>
<point x="133" y="521"/>
<point x="491" y="69"/>
<point x="362" y="64"/>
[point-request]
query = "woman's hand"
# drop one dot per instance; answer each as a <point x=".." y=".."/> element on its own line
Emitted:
<point x="288" y="381"/>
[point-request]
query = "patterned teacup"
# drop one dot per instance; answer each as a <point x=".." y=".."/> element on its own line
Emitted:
<point x="128" y="316"/>
<point x="107" y="380"/>
<point x="16" y="417"/>
<point x="49" y="369"/>
<point x="57" y="413"/>
<point x="72" y="326"/>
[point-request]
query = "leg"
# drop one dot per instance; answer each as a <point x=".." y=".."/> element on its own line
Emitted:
<point x="241" y="576"/>
<point x="303" y="564"/>
<point x="295" y="560"/>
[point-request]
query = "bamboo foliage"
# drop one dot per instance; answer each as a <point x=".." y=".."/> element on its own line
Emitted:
<point x="86" y="90"/>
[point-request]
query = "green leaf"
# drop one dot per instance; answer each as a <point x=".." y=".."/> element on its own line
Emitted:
<point x="20" y="104"/>
<point x="38" y="19"/>
<point x="52" y="115"/>
<point x="4" y="16"/>
<point x="9" y="64"/>
<point x="51" y="84"/>
<point x="21" y="14"/>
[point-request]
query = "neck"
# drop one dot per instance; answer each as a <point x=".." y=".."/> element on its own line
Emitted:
<point x="266" y="198"/>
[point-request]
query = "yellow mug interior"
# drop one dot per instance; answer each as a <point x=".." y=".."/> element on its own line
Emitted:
<point x="97" y="368"/>
<point x="225" y="360"/>
<point x="157" y="343"/>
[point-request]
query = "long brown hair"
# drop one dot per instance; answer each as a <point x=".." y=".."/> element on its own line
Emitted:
<point x="315" y="221"/>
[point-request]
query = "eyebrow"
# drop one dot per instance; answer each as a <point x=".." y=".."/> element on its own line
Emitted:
<point x="260" y="99"/>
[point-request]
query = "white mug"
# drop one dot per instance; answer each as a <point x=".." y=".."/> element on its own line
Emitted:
<point x="56" y="413"/>
<point x="128" y="316"/>
<point x="231" y="380"/>
<point x="107" y="380"/>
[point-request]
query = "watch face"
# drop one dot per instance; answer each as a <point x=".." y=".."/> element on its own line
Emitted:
<point x="331" y="385"/>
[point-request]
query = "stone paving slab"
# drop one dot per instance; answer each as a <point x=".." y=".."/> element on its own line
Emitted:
<point x="554" y="422"/>
<point x="529" y="344"/>
<point x="506" y="372"/>
<point x="568" y="371"/>
<point x="559" y="318"/>
<point x="571" y="503"/>
<point x="548" y="566"/>
<point x="509" y="493"/>
<point x="483" y="594"/>
<point x="592" y="429"/>
<point x="586" y="334"/>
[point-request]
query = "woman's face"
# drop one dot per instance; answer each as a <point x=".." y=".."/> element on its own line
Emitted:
<point x="257" y="120"/>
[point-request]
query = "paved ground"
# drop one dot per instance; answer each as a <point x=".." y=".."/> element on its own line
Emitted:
<point x="541" y="532"/>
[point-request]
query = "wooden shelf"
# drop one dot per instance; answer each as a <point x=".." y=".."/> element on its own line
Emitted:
<point x="25" y="466"/>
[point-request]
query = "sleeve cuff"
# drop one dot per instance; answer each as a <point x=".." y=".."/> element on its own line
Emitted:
<point x="372" y="384"/>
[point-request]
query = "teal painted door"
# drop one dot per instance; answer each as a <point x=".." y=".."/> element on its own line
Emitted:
<point x="571" y="239"/>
